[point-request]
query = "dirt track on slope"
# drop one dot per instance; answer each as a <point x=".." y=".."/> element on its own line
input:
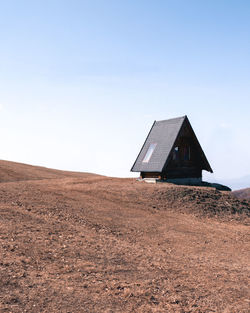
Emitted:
<point x="87" y="243"/>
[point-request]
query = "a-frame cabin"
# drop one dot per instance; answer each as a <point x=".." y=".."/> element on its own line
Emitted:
<point x="172" y="152"/>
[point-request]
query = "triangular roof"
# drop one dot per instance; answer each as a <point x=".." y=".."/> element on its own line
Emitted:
<point x="163" y="135"/>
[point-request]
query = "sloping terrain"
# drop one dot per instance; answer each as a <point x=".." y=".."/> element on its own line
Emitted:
<point x="242" y="193"/>
<point x="88" y="243"/>
<point x="12" y="172"/>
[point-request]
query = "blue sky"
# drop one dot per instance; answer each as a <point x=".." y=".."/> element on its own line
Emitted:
<point x="81" y="82"/>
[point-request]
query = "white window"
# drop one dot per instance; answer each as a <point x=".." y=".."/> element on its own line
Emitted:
<point x="149" y="152"/>
<point x="176" y="154"/>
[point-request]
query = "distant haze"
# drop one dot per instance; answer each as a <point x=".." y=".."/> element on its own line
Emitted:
<point x="237" y="183"/>
<point x="81" y="82"/>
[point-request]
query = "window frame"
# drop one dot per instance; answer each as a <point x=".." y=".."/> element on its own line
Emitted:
<point x="149" y="153"/>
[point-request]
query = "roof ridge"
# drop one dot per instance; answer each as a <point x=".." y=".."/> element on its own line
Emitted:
<point x="172" y="119"/>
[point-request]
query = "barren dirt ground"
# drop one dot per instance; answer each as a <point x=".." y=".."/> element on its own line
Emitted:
<point x="72" y="242"/>
<point x="242" y="193"/>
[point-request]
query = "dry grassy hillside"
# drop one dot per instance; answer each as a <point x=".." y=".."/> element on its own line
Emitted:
<point x="87" y="243"/>
<point x="12" y="171"/>
<point x="243" y="193"/>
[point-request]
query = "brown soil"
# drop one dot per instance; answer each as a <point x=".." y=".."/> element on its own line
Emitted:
<point x="75" y="242"/>
<point x="242" y="193"/>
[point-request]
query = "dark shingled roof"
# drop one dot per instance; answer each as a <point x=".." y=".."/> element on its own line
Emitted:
<point x="164" y="134"/>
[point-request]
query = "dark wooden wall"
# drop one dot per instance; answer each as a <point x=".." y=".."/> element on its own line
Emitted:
<point x="150" y="175"/>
